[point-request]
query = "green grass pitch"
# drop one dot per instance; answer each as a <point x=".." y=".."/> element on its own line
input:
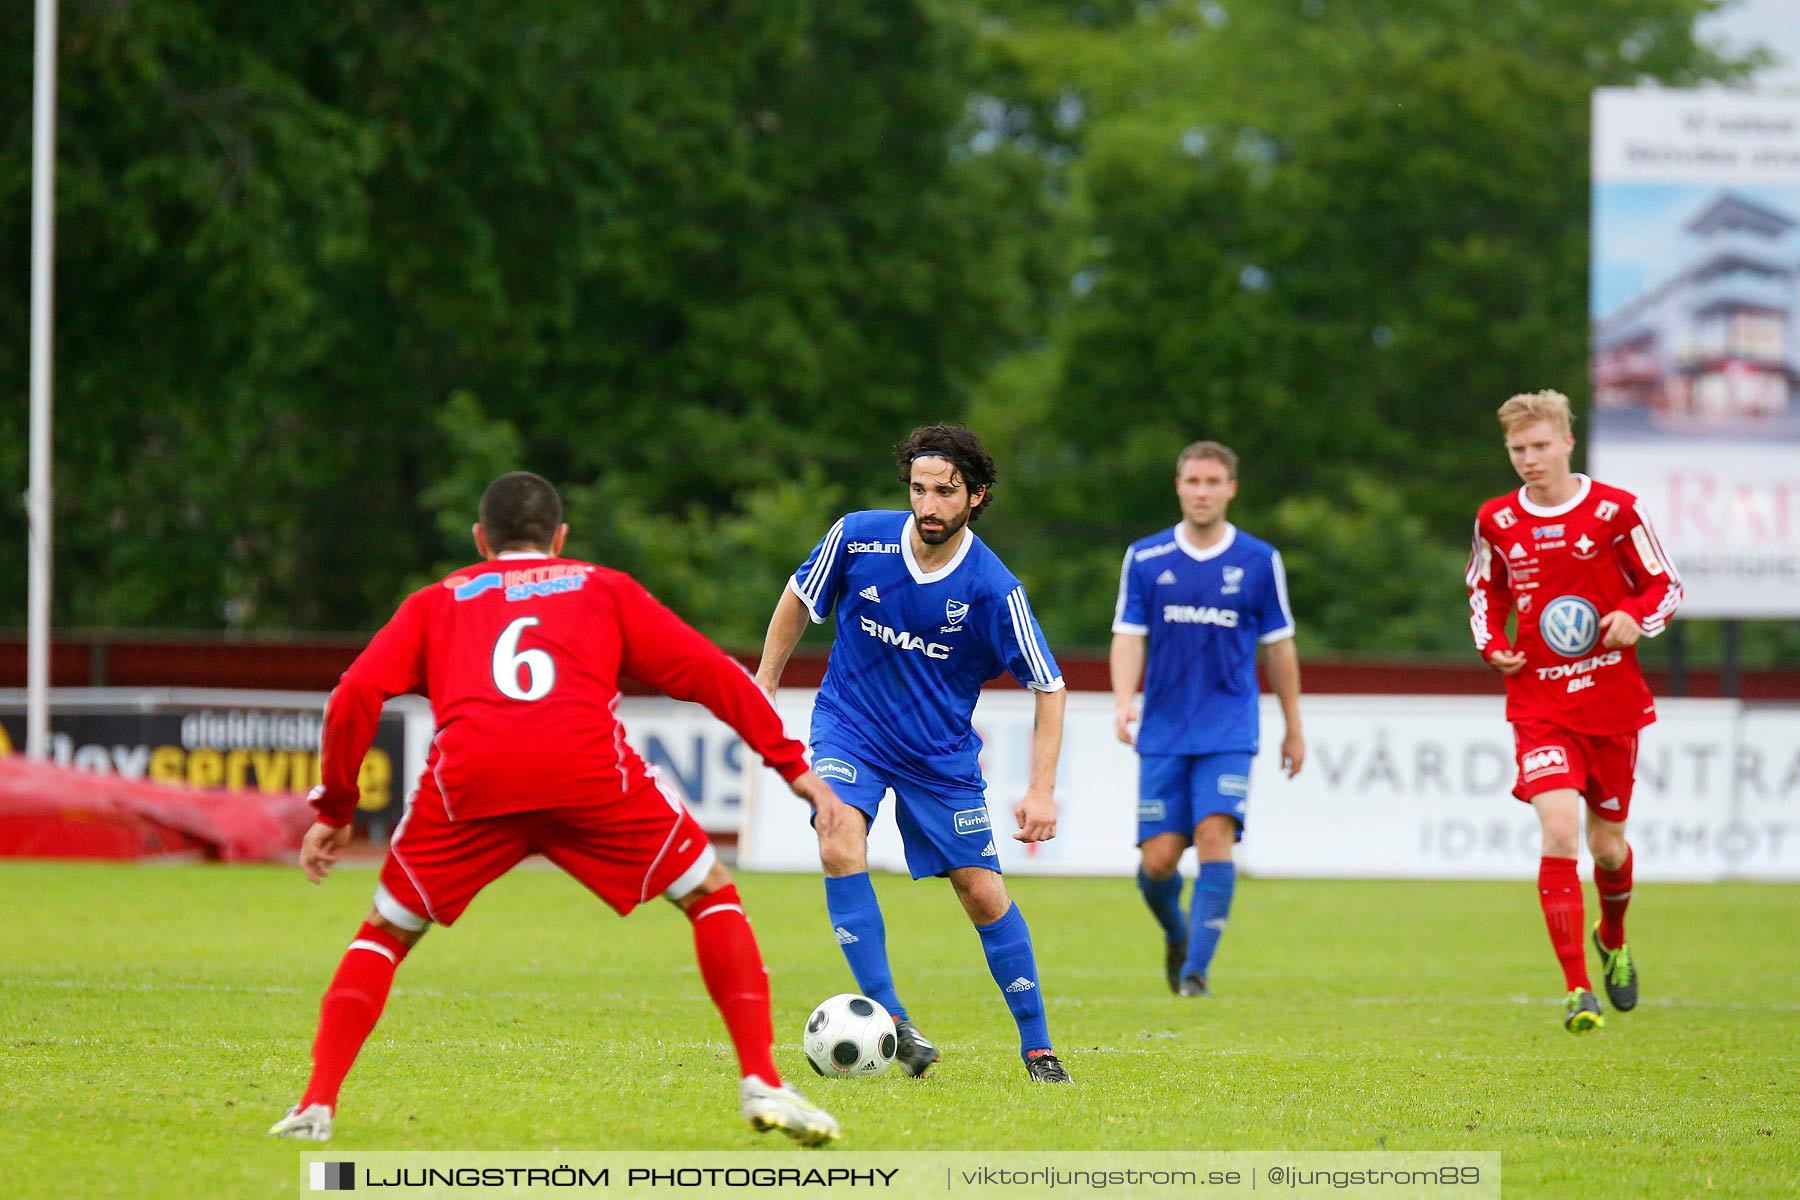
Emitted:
<point x="157" y="1019"/>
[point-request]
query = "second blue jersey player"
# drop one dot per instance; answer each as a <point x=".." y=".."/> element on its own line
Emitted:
<point x="1205" y="595"/>
<point x="926" y="614"/>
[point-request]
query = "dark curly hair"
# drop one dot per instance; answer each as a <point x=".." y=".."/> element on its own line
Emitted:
<point x="963" y="450"/>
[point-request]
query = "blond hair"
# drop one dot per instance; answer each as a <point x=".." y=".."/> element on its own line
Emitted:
<point x="1208" y="450"/>
<point x="1547" y="405"/>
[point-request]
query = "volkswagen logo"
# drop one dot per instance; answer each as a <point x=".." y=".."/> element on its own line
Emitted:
<point x="1570" y="626"/>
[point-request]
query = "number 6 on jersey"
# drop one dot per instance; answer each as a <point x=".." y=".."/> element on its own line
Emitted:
<point x="540" y="669"/>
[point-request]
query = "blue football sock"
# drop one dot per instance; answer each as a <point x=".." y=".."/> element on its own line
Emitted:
<point x="862" y="936"/>
<point x="1007" y="944"/>
<point x="1164" y="898"/>
<point x="1211" y="905"/>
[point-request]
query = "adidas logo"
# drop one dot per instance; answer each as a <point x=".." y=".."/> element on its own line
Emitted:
<point x="989" y="852"/>
<point x="1518" y="550"/>
<point x="1216" y="924"/>
<point x="869" y="593"/>
<point x="1166" y="577"/>
<point x="845" y="937"/>
<point x="1021" y="984"/>
<point x="1610" y="804"/>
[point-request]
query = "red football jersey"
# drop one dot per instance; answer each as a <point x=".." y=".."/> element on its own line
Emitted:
<point x="1562" y="569"/>
<point x="520" y="658"/>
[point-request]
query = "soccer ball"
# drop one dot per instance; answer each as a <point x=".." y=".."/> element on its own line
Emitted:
<point x="849" y="1035"/>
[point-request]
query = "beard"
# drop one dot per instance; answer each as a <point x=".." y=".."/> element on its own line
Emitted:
<point x="943" y="533"/>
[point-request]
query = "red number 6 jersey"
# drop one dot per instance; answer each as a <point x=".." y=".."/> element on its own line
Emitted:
<point x="1562" y="569"/>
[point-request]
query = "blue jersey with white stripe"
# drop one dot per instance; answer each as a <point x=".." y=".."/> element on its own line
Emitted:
<point x="1204" y="612"/>
<point x="913" y="648"/>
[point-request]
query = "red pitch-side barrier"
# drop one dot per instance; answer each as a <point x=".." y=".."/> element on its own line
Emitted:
<point x="48" y="811"/>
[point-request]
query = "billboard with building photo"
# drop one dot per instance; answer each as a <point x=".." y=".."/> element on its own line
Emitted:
<point x="1695" y="306"/>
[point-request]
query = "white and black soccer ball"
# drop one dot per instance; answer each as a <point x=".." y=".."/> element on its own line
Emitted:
<point x="849" y="1035"/>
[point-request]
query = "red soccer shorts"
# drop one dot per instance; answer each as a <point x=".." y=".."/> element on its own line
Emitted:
<point x="1602" y="767"/>
<point x="624" y="852"/>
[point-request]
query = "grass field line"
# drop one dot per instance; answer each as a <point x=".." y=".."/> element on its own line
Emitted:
<point x="1055" y="1001"/>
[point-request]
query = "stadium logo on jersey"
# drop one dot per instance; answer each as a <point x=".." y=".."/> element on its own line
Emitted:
<point x="873" y="548"/>
<point x="1167" y="577"/>
<point x="1606" y="510"/>
<point x="1540" y="532"/>
<point x="1190" y="614"/>
<point x="973" y="820"/>
<point x="1505" y="518"/>
<point x="954" y="612"/>
<point x="1150" y="810"/>
<point x="1233" y="577"/>
<point x="1545" y="760"/>
<point x="904" y="640"/>
<point x="869" y="593"/>
<point x="1233" y="785"/>
<point x="1570" y="625"/>
<point x="835" y="768"/>
<point x="467" y="589"/>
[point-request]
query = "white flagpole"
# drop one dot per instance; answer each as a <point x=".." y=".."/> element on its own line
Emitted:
<point x="37" y="501"/>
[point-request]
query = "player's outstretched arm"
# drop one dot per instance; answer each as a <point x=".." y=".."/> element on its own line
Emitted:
<point x="828" y="810"/>
<point x="320" y="847"/>
<point x="1282" y="660"/>
<point x="391" y="664"/>
<point x="1127" y="663"/>
<point x="1036" y="813"/>
<point x="786" y="625"/>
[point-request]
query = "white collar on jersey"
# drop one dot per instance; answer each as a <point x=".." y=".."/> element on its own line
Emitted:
<point x="912" y="565"/>
<point x="1538" y="510"/>
<point x="523" y="554"/>
<point x="1213" y="551"/>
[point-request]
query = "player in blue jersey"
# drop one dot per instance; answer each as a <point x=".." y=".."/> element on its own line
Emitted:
<point x="1204" y="594"/>
<point x="925" y="615"/>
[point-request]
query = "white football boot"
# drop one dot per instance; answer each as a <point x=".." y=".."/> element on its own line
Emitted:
<point x="311" y="1124"/>
<point x="783" y="1108"/>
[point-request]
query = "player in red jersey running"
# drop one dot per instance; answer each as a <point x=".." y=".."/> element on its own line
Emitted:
<point x="520" y="656"/>
<point x="1580" y="564"/>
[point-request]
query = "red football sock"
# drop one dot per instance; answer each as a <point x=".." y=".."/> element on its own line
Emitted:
<point x="351" y="1006"/>
<point x="732" y="967"/>
<point x="1615" y="893"/>
<point x="1559" y="891"/>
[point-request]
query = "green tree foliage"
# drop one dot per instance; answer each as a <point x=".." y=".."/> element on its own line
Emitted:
<point x="323" y="270"/>
<point x="702" y="260"/>
<point x="1334" y="234"/>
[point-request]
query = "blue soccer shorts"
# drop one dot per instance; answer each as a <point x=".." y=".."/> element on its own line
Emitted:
<point x="1175" y="791"/>
<point x="942" y="826"/>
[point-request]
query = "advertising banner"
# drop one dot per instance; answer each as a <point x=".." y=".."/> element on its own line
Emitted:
<point x="240" y="743"/>
<point x="1401" y="787"/>
<point x="1694" y="300"/>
